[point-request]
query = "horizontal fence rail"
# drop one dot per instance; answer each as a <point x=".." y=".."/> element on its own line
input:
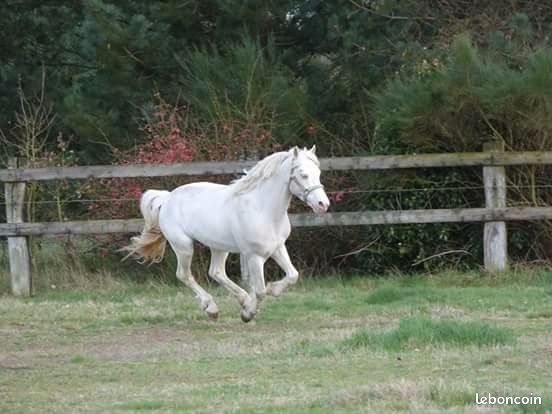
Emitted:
<point x="379" y="162"/>
<point x="493" y="161"/>
<point x="350" y="218"/>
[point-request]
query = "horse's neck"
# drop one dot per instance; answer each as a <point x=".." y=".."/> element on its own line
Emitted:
<point x="273" y="194"/>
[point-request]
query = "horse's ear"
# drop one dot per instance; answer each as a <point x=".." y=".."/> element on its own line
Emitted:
<point x="313" y="150"/>
<point x="295" y="152"/>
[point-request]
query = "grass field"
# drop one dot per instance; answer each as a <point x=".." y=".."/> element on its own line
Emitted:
<point x="399" y="344"/>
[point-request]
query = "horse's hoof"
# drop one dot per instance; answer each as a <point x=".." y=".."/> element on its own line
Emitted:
<point x="274" y="289"/>
<point x="246" y="316"/>
<point x="212" y="311"/>
<point x="271" y="291"/>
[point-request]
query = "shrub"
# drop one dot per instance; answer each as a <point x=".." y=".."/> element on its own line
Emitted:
<point x="463" y="99"/>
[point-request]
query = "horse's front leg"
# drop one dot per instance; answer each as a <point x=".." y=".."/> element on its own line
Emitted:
<point x="281" y="257"/>
<point x="254" y="266"/>
<point x="244" y="269"/>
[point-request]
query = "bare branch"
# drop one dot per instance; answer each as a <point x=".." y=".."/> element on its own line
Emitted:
<point x="440" y="255"/>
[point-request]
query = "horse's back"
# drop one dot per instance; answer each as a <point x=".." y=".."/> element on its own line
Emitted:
<point x="199" y="187"/>
<point x="197" y="198"/>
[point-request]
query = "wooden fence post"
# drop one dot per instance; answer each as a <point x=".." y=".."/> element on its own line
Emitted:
<point x="18" y="251"/>
<point x="495" y="239"/>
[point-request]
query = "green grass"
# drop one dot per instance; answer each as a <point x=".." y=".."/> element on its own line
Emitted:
<point x="544" y="408"/>
<point x="417" y="332"/>
<point x="143" y="405"/>
<point x="423" y="343"/>
<point x="387" y="294"/>
<point x="81" y="359"/>
<point x="450" y="397"/>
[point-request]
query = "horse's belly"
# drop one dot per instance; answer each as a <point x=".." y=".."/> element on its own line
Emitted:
<point x="218" y="244"/>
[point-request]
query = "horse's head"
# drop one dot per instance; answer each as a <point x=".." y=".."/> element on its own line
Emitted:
<point x="304" y="181"/>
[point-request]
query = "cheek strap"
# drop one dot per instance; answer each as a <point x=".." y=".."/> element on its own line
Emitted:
<point x="305" y="191"/>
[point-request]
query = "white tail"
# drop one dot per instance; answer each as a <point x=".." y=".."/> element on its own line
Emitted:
<point x="150" y="245"/>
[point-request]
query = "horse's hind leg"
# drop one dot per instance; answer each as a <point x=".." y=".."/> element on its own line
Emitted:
<point x="217" y="271"/>
<point x="184" y="273"/>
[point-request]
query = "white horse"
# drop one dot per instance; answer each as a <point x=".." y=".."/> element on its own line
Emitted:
<point x="248" y="216"/>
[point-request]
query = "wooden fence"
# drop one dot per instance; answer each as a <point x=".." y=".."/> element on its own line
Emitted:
<point x="494" y="215"/>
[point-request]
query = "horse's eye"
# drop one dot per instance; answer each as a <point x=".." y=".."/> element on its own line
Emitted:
<point x="304" y="176"/>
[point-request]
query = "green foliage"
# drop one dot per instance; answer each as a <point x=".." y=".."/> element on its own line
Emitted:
<point x="406" y="247"/>
<point x="465" y="99"/>
<point x="247" y="86"/>
<point x="461" y="100"/>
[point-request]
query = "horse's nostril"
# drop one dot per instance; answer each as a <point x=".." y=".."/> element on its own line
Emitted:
<point x="321" y="204"/>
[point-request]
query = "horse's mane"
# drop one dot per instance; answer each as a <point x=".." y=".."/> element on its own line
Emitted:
<point x="264" y="169"/>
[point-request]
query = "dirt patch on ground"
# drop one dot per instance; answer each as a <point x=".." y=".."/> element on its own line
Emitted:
<point x="30" y="348"/>
<point x="114" y="345"/>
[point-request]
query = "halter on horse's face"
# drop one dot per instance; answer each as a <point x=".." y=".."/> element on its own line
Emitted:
<point x="304" y="182"/>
